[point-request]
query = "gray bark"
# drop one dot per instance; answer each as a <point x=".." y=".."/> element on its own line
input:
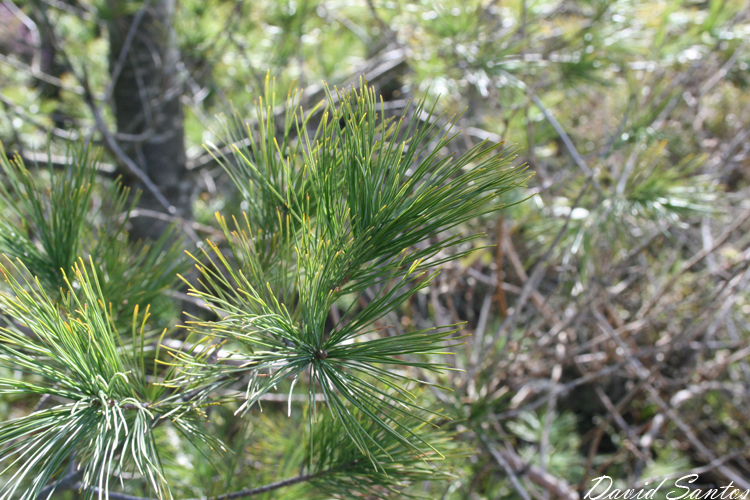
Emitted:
<point x="146" y="101"/>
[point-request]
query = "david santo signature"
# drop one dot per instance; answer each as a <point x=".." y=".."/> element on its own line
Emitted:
<point x="680" y="490"/>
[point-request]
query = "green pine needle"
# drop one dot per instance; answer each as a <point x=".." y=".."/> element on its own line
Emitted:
<point x="360" y="207"/>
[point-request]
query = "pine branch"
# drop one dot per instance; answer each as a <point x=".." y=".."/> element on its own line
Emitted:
<point x="365" y="207"/>
<point x="52" y="225"/>
<point x="112" y="407"/>
<point x="354" y="208"/>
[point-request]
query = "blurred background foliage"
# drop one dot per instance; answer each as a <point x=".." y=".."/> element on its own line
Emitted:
<point x="608" y="313"/>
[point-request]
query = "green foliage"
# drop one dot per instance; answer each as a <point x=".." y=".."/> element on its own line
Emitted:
<point x="342" y="468"/>
<point x="79" y="357"/>
<point x="361" y="206"/>
<point x="652" y="95"/>
<point x="358" y="208"/>
<point x="55" y="217"/>
<point x="73" y="351"/>
<point x="49" y="226"/>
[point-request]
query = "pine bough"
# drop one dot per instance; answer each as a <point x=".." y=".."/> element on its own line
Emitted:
<point x="356" y="210"/>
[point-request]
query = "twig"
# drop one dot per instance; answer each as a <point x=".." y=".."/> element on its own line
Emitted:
<point x="612" y="140"/>
<point x="566" y="140"/>
<point x="515" y="261"/>
<point x="654" y="396"/>
<point x="613" y="412"/>
<point x="61" y="163"/>
<point x="124" y="51"/>
<point x="562" y="389"/>
<point x="711" y="83"/>
<point x="87" y="14"/>
<point x="64" y="483"/>
<point x="502" y="234"/>
<point x="385" y="28"/>
<point x="40" y="75"/>
<point x="699" y="256"/>
<point x="115" y="148"/>
<point x="145" y="212"/>
<point x="509" y="323"/>
<point x="507" y="468"/>
<point x="302" y="478"/>
<point x="513" y="464"/>
<point x="698" y="470"/>
<point x="24" y="115"/>
<point x="549" y="416"/>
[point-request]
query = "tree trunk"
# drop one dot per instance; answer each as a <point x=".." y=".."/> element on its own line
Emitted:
<point x="147" y="108"/>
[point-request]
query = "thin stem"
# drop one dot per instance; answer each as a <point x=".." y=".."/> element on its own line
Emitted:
<point x="566" y="140"/>
<point x="64" y="483"/>
<point x="237" y="494"/>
